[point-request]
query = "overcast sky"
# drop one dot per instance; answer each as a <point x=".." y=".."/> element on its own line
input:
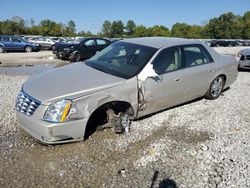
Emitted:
<point x="90" y="14"/>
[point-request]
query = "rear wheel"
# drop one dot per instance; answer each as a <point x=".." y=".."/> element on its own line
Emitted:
<point x="215" y="88"/>
<point x="2" y="50"/>
<point x="28" y="49"/>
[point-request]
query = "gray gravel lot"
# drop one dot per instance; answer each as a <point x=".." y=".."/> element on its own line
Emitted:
<point x="200" y="144"/>
<point x="33" y="58"/>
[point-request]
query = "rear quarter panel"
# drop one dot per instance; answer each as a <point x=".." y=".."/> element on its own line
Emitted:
<point x="225" y="65"/>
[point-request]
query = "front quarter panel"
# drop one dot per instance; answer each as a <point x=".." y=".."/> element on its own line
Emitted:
<point x="126" y="92"/>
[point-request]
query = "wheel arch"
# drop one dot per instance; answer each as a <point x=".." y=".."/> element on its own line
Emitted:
<point x="99" y="115"/>
<point x="224" y="77"/>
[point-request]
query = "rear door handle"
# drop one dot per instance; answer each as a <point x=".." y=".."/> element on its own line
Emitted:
<point x="177" y="79"/>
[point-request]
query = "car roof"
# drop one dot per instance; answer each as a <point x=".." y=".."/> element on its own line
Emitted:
<point x="161" y="42"/>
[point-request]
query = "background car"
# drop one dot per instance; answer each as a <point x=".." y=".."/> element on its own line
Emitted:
<point x="224" y="43"/>
<point x="244" y="62"/>
<point x="44" y="42"/>
<point x="82" y="48"/>
<point x="15" y="43"/>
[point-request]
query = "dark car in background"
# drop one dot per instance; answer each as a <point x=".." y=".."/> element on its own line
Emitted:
<point x="15" y="43"/>
<point x="224" y="43"/>
<point x="80" y="49"/>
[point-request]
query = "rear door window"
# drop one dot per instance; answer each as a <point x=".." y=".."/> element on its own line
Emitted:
<point x="14" y="39"/>
<point x="101" y="42"/>
<point x="196" y="55"/>
<point x="90" y="42"/>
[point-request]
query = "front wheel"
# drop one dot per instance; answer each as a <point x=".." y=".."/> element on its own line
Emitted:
<point x="215" y="88"/>
<point x="28" y="49"/>
<point x="75" y="57"/>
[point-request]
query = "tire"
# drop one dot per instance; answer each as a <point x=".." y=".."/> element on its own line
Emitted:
<point x="76" y="57"/>
<point x="215" y="89"/>
<point x="28" y="49"/>
<point x="2" y="50"/>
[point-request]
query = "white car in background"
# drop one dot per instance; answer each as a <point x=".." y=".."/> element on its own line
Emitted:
<point x="45" y="43"/>
<point x="244" y="62"/>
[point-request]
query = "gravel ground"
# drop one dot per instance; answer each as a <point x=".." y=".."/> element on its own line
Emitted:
<point x="33" y="58"/>
<point x="200" y="144"/>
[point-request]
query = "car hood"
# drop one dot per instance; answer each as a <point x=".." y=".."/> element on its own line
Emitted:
<point x="70" y="82"/>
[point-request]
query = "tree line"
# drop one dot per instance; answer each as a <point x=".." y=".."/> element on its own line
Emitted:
<point x="226" y="26"/>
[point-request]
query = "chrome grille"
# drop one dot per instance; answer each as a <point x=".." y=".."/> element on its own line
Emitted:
<point x="26" y="104"/>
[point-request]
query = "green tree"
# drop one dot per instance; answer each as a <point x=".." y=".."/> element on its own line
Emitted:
<point x="117" y="28"/>
<point x="226" y="26"/>
<point x="51" y="28"/>
<point x="130" y="27"/>
<point x="141" y="31"/>
<point x="246" y="27"/>
<point x="180" y="30"/>
<point x="106" y="28"/>
<point x="71" y="27"/>
<point x="19" y="25"/>
<point x="85" y="34"/>
<point x="195" y="32"/>
<point x="158" y="30"/>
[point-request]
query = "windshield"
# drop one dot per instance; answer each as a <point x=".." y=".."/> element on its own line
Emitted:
<point x="122" y="59"/>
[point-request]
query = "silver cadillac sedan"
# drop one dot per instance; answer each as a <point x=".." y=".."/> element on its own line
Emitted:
<point x="127" y="80"/>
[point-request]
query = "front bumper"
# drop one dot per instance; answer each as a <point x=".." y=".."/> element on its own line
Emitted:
<point x="244" y="64"/>
<point x="63" y="54"/>
<point x="52" y="133"/>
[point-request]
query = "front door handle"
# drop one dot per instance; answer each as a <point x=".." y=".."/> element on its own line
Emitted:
<point x="177" y="79"/>
<point x="210" y="70"/>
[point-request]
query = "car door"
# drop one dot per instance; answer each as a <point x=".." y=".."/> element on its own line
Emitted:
<point x="199" y="71"/>
<point x="168" y="88"/>
<point x="101" y="44"/>
<point x="17" y="44"/>
<point x="87" y="48"/>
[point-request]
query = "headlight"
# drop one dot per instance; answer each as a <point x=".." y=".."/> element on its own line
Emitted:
<point x="66" y="49"/>
<point x="59" y="111"/>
